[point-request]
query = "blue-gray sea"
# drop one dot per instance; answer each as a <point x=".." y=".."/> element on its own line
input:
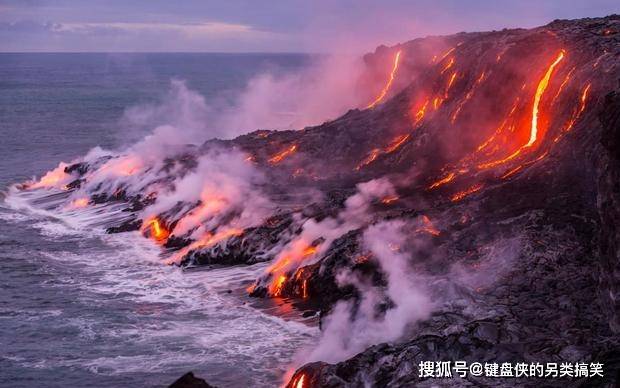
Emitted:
<point x="81" y="308"/>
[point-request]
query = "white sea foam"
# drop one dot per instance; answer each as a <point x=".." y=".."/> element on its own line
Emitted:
<point x="186" y="319"/>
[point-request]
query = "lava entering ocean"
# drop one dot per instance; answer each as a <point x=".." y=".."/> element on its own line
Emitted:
<point x="460" y="141"/>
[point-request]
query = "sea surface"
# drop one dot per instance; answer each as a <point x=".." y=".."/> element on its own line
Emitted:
<point x="82" y="308"/>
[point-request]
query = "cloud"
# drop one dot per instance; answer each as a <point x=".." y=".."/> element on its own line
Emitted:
<point x="189" y="29"/>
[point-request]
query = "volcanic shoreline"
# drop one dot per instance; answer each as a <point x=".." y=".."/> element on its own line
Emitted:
<point x="494" y="155"/>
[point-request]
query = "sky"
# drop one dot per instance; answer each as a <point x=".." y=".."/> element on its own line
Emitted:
<point x="263" y="25"/>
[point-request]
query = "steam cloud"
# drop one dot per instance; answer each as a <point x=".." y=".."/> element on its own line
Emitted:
<point x="350" y="329"/>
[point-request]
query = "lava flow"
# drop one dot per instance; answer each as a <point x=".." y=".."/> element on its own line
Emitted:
<point x="208" y="240"/>
<point x="542" y="86"/>
<point x="376" y="152"/>
<point x="299" y="381"/>
<point x="156" y="229"/>
<point x="387" y="86"/>
<point x="79" y="203"/>
<point x="277" y="158"/>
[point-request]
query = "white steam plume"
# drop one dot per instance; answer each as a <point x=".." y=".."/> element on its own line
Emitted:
<point x="350" y="329"/>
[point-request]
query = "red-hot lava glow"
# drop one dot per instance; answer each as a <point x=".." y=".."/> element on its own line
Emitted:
<point x="304" y="289"/>
<point x="447" y="66"/>
<point x="396" y="143"/>
<point x="576" y="114"/>
<point x="419" y="112"/>
<point x="462" y="194"/>
<point x="157" y="230"/>
<point x="387" y="86"/>
<point x="299" y="381"/>
<point x="79" y="203"/>
<point x="374" y="154"/>
<point x="448" y="178"/>
<point x="276" y="288"/>
<point x="125" y="166"/>
<point x="53" y="178"/>
<point x="389" y="200"/>
<point x="566" y="79"/>
<point x="206" y="241"/>
<point x="468" y="96"/>
<point x="451" y="82"/>
<point x="428" y="227"/>
<point x="298" y="252"/>
<point x="277" y="158"/>
<point x="285" y="260"/>
<point x="542" y="86"/>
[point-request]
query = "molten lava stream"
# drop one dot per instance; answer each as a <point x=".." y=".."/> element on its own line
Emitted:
<point x="206" y="241"/>
<point x="419" y="112"/>
<point x="299" y="381"/>
<point x="389" y="200"/>
<point x="300" y="251"/>
<point x="462" y="194"/>
<point x="468" y="96"/>
<point x="374" y="154"/>
<point x="448" y="178"/>
<point x="157" y="230"/>
<point x="582" y="107"/>
<point x="542" y="86"/>
<point x="396" y="143"/>
<point x="277" y="158"/>
<point x="387" y="86"/>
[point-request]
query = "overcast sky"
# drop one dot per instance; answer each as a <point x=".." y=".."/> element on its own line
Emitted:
<point x="261" y="25"/>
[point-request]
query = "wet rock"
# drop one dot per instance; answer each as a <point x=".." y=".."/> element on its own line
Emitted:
<point x="188" y="380"/>
<point x="127" y="226"/>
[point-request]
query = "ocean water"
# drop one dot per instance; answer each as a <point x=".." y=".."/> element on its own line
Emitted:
<point x="82" y="308"/>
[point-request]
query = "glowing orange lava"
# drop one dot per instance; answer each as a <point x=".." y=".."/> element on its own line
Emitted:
<point x="443" y="181"/>
<point x="462" y="194"/>
<point x="79" y="203"/>
<point x="276" y="289"/>
<point x="387" y="86"/>
<point x="277" y="158"/>
<point x="437" y="102"/>
<point x="468" y="96"/>
<point x="542" y="86"/>
<point x="374" y="154"/>
<point x="53" y="178"/>
<point x="451" y="81"/>
<point x="447" y="66"/>
<point x="299" y="383"/>
<point x="428" y="227"/>
<point x="582" y="107"/>
<point x="156" y="228"/>
<point x="396" y="143"/>
<point x="206" y="241"/>
<point x="390" y="199"/>
<point x="287" y="259"/>
<point x="420" y="112"/>
<point x="566" y="79"/>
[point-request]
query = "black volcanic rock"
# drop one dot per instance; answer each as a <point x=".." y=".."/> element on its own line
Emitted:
<point x="557" y="295"/>
<point x="608" y="201"/>
<point x="188" y="380"/>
